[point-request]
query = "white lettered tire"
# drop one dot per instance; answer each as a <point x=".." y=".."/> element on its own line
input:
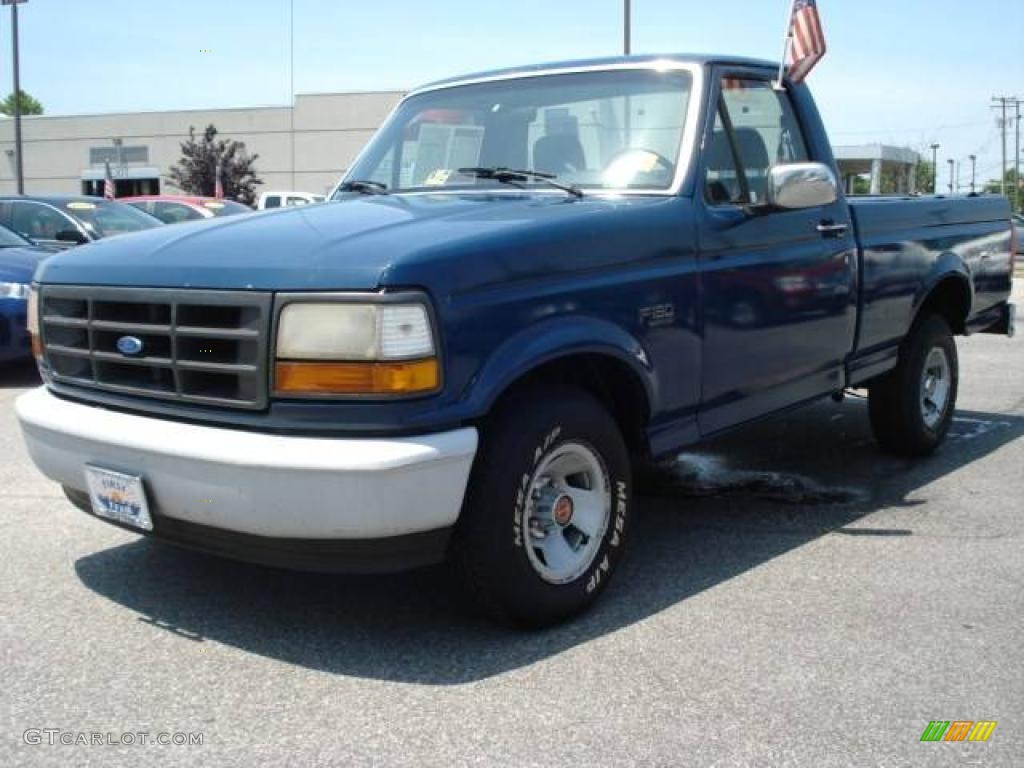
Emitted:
<point x="546" y="516"/>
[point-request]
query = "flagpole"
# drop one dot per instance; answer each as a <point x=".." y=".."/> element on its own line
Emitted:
<point x="779" y="84"/>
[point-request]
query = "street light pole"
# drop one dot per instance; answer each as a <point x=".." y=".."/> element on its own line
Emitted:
<point x="291" y="81"/>
<point x="935" y="168"/>
<point x="974" y="169"/>
<point x="19" y="167"/>
<point x="952" y="172"/>
<point x="627" y="28"/>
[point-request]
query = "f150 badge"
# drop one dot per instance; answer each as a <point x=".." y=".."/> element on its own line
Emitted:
<point x="658" y="315"/>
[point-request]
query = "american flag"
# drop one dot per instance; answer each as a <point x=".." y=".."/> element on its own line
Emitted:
<point x="807" y="40"/>
<point x="218" y="185"/>
<point x="109" y="191"/>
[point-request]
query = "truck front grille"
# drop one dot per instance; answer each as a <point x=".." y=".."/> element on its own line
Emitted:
<point x="194" y="346"/>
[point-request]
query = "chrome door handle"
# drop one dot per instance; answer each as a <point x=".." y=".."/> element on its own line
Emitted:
<point x="828" y="228"/>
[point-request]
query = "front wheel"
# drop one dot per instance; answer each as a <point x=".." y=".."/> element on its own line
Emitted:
<point x="912" y="406"/>
<point x="544" y="523"/>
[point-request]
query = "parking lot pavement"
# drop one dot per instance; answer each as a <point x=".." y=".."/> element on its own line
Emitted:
<point x="793" y="598"/>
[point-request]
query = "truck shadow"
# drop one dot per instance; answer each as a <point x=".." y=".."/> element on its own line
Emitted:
<point x="742" y="501"/>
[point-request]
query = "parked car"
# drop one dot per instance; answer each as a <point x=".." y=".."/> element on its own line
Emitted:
<point x="18" y="261"/>
<point x="286" y="199"/>
<point x="460" y="360"/>
<point x="1018" y="234"/>
<point x="174" y="209"/>
<point x="64" y="221"/>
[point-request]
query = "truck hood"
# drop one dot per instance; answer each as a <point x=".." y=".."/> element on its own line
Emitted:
<point x="354" y="245"/>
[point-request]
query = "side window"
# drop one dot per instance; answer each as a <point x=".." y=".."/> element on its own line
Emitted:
<point x="38" y="221"/>
<point x="724" y="184"/>
<point x="764" y="132"/>
<point x="272" y="202"/>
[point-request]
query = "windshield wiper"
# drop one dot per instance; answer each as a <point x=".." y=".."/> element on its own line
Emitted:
<point x="510" y="176"/>
<point x="364" y="187"/>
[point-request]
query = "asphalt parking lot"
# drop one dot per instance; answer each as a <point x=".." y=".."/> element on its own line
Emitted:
<point x="793" y="598"/>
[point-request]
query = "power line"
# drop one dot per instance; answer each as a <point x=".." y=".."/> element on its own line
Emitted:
<point x="936" y="129"/>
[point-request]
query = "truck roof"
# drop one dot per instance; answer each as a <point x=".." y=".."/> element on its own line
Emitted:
<point x="702" y="59"/>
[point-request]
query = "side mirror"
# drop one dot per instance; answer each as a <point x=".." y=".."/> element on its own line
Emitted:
<point x="801" y="185"/>
<point x="71" y="236"/>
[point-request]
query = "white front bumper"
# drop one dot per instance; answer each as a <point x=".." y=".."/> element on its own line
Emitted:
<point x="255" y="483"/>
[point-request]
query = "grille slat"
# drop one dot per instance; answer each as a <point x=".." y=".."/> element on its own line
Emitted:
<point x="111" y="325"/>
<point x="205" y="347"/>
<point x="66" y="322"/>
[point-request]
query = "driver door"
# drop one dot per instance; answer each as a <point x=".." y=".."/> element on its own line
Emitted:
<point x="778" y="286"/>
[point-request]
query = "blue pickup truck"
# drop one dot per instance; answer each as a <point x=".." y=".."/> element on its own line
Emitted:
<point x="529" y="285"/>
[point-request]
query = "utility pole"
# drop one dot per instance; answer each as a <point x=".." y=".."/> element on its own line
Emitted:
<point x="627" y="28"/>
<point x="935" y="168"/>
<point x="974" y="171"/>
<point x="1016" y="163"/>
<point x="952" y="171"/>
<point x="1001" y="103"/>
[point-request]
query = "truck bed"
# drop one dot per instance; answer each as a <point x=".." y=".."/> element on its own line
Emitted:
<point x="907" y="243"/>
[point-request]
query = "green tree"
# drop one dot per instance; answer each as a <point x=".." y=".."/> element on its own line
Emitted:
<point x="925" y="177"/>
<point x="1014" y="188"/>
<point x="28" y="104"/>
<point x="196" y="171"/>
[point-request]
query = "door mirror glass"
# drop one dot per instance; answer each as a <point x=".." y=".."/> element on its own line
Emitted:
<point x="794" y="186"/>
<point x="71" y="236"/>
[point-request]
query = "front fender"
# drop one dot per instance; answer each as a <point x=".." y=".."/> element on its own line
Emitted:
<point x="550" y="340"/>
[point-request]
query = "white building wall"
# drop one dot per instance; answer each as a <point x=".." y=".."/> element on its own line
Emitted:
<point x="330" y="129"/>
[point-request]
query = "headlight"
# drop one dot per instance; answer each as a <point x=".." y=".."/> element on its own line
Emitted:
<point x="14" y="290"/>
<point x="355" y="349"/>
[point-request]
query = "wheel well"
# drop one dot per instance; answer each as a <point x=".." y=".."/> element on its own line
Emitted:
<point x="951" y="299"/>
<point x="611" y="381"/>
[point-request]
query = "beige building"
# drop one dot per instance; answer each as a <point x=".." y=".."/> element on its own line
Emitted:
<point x="303" y="148"/>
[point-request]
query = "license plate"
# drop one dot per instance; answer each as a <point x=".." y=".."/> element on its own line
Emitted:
<point x="118" y="497"/>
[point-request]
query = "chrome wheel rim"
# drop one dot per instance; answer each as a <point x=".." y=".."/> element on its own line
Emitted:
<point x="936" y="383"/>
<point x="567" y="512"/>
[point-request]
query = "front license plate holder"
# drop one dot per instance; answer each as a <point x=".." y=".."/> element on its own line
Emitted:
<point x="119" y="497"/>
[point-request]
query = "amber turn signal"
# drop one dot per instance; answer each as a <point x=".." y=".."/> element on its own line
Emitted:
<point x="37" y="347"/>
<point x="396" y="378"/>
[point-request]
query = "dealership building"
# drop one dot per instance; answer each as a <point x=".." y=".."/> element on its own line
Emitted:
<point x="305" y="147"/>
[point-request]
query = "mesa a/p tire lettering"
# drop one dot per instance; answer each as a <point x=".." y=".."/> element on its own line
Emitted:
<point x="565" y="467"/>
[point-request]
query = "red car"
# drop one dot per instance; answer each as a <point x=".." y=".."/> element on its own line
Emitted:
<point x="172" y="209"/>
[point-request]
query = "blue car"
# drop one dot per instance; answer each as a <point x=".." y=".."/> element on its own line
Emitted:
<point x="18" y="260"/>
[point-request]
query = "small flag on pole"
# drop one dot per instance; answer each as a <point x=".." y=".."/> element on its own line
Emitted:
<point x="218" y="187"/>
<point x="806" y="45"/>
<point x="109" y="190"/>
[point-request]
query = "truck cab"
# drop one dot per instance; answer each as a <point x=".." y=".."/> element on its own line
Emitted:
<point x="530" y="285"/>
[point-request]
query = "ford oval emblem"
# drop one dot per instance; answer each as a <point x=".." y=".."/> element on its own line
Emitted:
<point x="130" y="345"/>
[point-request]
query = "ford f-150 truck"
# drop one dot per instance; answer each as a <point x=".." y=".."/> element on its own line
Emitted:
<point x="529" y="284"/>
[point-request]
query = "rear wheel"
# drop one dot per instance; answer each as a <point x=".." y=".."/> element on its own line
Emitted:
<point x="912" y="406"/>
<point x="544" y="524"/>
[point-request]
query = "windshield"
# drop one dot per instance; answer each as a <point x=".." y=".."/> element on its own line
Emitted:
<point x="106" y="219"/>
<point x="612" y="129"/>
<point x="9" y="239"/>
<point x="225" y="207"/>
